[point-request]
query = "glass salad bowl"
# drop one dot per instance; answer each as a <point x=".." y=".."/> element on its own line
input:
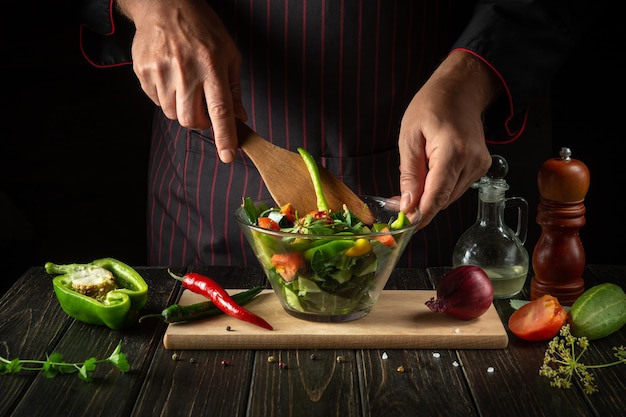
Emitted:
<point x="327" y="268"/>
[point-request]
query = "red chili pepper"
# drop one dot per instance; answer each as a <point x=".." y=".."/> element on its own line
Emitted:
<point x="205" y="286"/>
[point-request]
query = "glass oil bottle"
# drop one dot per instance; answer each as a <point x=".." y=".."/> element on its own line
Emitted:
<point x="490" y="243"/>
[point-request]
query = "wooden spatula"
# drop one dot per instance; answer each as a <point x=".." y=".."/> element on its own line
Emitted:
<point x="288" y="180"/>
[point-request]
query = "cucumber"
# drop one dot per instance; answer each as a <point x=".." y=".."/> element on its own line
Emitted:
<point x="598" y="312"/>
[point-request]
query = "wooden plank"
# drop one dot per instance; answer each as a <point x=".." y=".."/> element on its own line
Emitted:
<point x="611" y="383"/>
<point x="324" y="386"/>
<point x="430" y="383"/>
<point x="111" y="393"/>
<point x="515" y="388"/>
<point x="196" y="383"/>
<point x="31" y="325"/>
<point x="306" y="386"/>
<point x="508" y="382"/>
<point x="399" y="320"/>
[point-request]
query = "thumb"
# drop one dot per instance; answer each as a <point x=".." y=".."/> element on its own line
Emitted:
<point x="413" y="171"/>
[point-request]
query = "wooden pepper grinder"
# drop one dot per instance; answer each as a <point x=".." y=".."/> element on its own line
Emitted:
<point x="559" y="257"/>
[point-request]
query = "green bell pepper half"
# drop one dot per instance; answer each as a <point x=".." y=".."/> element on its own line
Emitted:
<point x="118" y="309"/>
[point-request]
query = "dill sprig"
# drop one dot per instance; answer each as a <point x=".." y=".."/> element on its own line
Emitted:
<point x="562" y="361"/>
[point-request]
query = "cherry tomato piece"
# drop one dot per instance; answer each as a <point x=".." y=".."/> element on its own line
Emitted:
<point x="267" y="223"/>
<point x="541" y="319"/>
<point x="287" y="264"/>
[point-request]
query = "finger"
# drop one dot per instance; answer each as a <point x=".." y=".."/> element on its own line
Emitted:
<point x="191" y="110"/>
<point x="475" y="167"/>
<point x="151" y="92"/>
<point x="412" y="176"/>
<point x="167" y="101"/>
<point x="235" y="92"/>
<point x="160" y="92"/>
<point x="440" y="185"/>
<point x="220" y="108"/>
<point x="147" y="84"/>
<point x="434" y="199"/>
<point x="445" y="184"/>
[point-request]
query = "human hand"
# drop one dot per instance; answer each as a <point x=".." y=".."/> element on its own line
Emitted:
<point x="442" y="143"/>
<point x="188" y="64"/>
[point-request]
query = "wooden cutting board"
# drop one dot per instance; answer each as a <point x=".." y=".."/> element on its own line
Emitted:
<point x="399" y="320"/>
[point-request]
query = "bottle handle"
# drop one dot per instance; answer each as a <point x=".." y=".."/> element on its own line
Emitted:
<point x="522" y="216"/>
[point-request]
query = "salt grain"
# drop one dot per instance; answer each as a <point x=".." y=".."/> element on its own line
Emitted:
<point x="455" y="363"/>
<point x="385" y="356"/>
<point x="436" y="354"/>
<point x="457" y="330"/>
<point x="491" y="369"/>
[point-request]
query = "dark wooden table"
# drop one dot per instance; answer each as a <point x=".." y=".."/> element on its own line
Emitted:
<point x="197" y="384"/>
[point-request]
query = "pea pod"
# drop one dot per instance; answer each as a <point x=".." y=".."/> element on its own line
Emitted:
<point x="116" y="308"/>
<point x="598" y="312"/>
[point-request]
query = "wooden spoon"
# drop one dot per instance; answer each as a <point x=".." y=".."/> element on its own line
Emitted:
<point x="288" y="180"/>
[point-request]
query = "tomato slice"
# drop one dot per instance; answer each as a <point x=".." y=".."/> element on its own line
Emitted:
<point x="541" y="319"/>
<point x="267" y="223"/>
<point x="287" y="264"/>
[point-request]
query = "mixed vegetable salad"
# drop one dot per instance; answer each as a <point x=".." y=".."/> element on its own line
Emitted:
<point x="323" y="262"/>
<point x="332" y="272"/>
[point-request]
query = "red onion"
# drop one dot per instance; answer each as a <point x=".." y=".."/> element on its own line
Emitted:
<point x="465" y="293"/>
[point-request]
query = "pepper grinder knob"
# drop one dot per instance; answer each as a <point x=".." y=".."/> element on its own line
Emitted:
<point x="563" y="179"/>
<point x="559" y="257"/>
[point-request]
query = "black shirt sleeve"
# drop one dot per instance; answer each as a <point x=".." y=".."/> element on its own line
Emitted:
<point x="105" y="35"/>
<point x="525" y="43"/>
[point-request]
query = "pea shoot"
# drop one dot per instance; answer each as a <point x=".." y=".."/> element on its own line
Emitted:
<point x="562" y="362"/>
<point x="55" y="365"/>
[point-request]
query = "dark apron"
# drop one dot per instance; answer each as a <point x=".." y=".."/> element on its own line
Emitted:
<point x="336" y="83"/>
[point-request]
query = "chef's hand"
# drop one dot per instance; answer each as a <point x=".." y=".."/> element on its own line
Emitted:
<point x="442" y="142"/>
<point x="188" y="64"/>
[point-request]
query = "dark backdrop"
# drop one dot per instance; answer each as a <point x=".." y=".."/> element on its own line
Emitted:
<point x="73" y="151"/>
<point x="75" y="139"/>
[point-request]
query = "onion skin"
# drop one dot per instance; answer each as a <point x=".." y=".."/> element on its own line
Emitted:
<point x="464" y="293"/>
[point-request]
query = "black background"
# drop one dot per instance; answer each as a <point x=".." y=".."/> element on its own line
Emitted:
<point x="74" y="149"/>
